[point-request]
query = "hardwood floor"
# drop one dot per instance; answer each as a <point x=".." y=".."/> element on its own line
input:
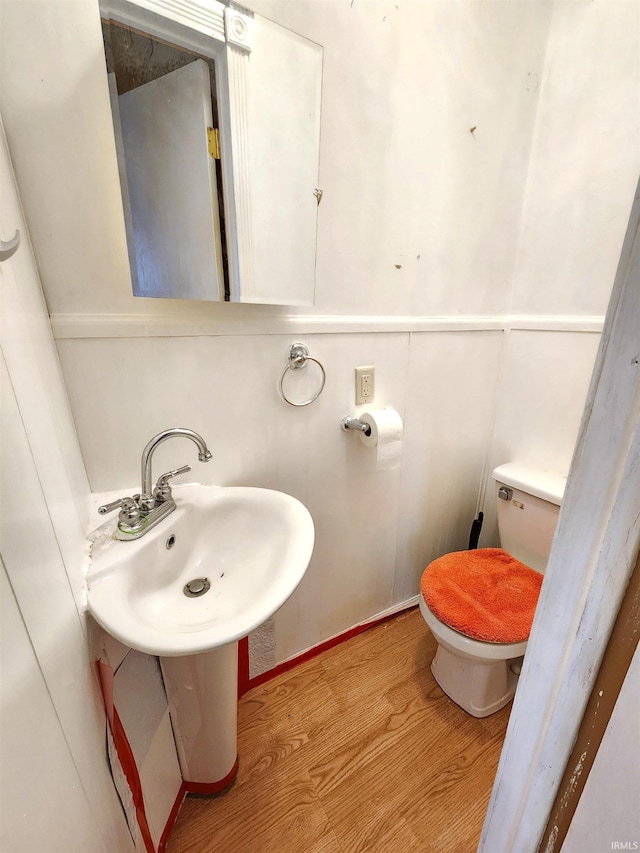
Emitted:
<point x="355" y="750"/>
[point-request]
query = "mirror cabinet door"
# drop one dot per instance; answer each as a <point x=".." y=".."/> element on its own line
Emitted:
<point x="276" y="126"/>
<point x="266" y="100"/>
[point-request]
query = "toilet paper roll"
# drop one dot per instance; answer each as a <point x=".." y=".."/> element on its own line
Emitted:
<point x="386" y="437"/>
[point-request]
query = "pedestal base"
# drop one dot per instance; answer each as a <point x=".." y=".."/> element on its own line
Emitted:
<point x="203" y="697"/>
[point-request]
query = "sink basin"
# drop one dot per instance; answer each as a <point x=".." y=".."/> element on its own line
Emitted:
<point x="252" y="546"/>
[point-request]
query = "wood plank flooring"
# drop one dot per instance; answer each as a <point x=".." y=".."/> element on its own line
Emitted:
<point x="355" y="750"/>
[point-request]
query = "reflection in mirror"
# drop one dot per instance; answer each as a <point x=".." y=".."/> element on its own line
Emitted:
<point x="241" y="228"/>
<point x="164" y="112"/>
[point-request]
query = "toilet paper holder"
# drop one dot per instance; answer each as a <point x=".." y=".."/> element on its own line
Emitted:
<point x="351" y="422"/>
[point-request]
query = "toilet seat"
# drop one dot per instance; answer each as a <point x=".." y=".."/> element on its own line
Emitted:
<point x="485" y="595"/>
<point x="466" y="646"/>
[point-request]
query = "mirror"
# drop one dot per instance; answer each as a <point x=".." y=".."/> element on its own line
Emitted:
<point x="217" y="129"/>
<point x="161" y="100"/>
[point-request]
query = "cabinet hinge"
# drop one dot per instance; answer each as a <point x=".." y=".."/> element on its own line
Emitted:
<point x="213" y="139"/>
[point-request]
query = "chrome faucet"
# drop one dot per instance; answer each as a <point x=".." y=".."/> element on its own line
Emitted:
<point x="142" y="512"/>
<point x="147" y="498"/>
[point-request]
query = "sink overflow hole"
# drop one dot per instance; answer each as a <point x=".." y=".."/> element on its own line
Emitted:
<point x="196" y="587"/>
<point x="171" y="541"/>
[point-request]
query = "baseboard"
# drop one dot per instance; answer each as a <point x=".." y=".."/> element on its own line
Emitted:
<point x="245" y="683"/>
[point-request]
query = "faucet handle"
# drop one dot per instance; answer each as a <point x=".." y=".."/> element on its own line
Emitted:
<point x="174" y="473"/>
<point x="105" y="508"/>
<point x="129" y="513"/>
<point x="162" y="491"/>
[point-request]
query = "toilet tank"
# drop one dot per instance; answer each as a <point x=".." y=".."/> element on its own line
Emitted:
<point x="528" y="502"/>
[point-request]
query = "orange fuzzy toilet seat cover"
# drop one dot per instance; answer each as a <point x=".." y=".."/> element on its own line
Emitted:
<point x="484" y="594"/>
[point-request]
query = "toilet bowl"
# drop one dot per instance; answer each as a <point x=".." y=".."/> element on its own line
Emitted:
<point x="480" y="675"/>
<point x="474" y="673"/>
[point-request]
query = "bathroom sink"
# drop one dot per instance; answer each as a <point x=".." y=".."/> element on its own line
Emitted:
<point x="220" y="565"/>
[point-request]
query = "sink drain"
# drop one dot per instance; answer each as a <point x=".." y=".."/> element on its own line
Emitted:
<point x="196" y="587"/>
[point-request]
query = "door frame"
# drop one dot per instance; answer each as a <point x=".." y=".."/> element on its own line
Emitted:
<point x="592" y="557"/>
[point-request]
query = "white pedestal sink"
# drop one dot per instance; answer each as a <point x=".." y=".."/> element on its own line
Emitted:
<point x="220" y="565"/>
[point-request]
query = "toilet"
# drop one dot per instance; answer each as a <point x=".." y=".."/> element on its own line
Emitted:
<point x="479" y="604"/>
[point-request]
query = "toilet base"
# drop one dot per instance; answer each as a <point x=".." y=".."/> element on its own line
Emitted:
<point x="479" y="687"/>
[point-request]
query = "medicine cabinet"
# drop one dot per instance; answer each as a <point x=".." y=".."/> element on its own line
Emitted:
<point x="217" y="125"/>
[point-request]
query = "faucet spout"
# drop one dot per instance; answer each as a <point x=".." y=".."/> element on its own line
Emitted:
<point x="141" y="513"/>
<point x="147" y="455"/>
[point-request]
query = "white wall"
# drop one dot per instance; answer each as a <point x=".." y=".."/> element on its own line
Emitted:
<point x="584" y="160"/>
<point x="607" y="811"/>
<point x="53" y="722"/>
<point x="466" y="216"/>
<point x="38" y="776"/>
<point x="449" y="418"/>
<point x="582" y="173"/>
<point x="404" y="179"/>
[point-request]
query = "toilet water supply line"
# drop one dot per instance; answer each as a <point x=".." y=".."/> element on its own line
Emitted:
<point x="476" y="524"/>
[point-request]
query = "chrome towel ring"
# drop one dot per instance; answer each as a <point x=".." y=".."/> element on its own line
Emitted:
<point x="10" y="247"/>
<point x="298" y="358"/>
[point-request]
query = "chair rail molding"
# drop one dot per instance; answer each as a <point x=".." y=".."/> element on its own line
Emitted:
<point x="249" y="320"/>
